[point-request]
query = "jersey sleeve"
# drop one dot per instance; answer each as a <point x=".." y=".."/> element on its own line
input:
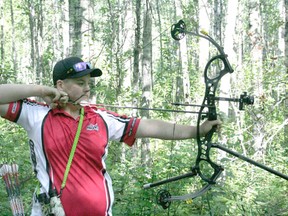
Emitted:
<point x="129" y="135"/>
<point x="120" y="127"/>
<point x="26" y="112"/>
<point x="13" y="112"/>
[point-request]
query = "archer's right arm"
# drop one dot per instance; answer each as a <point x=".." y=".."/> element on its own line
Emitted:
<point x="14" y="92"/>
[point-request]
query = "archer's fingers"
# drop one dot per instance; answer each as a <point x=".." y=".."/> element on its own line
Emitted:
<point x="64" y="99"/>
<point x="216" y="122"/>
<point x="60" y="95"/>
<point x="53" y="105"/>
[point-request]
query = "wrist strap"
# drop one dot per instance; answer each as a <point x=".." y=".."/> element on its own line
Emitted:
<point x="72" y="151"/>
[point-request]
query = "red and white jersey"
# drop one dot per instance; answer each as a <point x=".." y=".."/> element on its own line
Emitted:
<point x="88" y="189"/>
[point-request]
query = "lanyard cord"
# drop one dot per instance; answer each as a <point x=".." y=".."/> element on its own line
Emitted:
<point x="72" y="151"/>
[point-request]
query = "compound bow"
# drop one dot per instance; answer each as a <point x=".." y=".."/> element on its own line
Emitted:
<point x="164" y="198"/>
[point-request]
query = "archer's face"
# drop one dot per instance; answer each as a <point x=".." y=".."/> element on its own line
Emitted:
<point x="77" y="88"/>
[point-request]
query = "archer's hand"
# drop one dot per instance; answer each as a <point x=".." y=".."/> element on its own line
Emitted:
<point x="53" y="96"/>
<point x="207" y="125"/>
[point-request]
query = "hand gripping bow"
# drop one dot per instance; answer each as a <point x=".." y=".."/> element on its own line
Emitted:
<point x="164" y="198"/>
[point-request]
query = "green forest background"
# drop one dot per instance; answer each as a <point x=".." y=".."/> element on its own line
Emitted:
<point x="144" y="67"/>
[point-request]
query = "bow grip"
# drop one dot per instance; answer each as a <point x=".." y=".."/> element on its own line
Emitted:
<point x="212" y="113"/>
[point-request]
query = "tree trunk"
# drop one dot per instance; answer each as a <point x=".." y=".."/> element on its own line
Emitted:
<point x="146" y="76"/>
<point x="229" y="48"/>
<point x="286" y="64"/>
<point x="75" y="23"/>
<point x="65" y="18"/>
<point x="204" y="23"/>
<point x="31" y="13"/>
<point x="14" y="51"/>
<point x="2" y="49"/>
<point x="256" y="49"/>
<point x="160" y="36"/>
<point x="136" y="50"/>
<point x="136" y="64"/>
<point x="38" y="44"/>
<point x="183" y="78"/>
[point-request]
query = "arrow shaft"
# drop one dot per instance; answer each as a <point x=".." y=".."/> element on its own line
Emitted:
<point x="146" y="108"/>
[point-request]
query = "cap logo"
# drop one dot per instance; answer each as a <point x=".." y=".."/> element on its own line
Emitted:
<point x="70" y="71"/>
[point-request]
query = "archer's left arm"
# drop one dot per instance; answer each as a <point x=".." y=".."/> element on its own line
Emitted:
<point x="149" y="128"/>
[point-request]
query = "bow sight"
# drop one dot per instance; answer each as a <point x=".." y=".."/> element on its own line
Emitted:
<point x="205" y="144"/>
<point x="243" y="100"/>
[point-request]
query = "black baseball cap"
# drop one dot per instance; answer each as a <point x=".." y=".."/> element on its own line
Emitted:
<point x="73" y="67"/>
